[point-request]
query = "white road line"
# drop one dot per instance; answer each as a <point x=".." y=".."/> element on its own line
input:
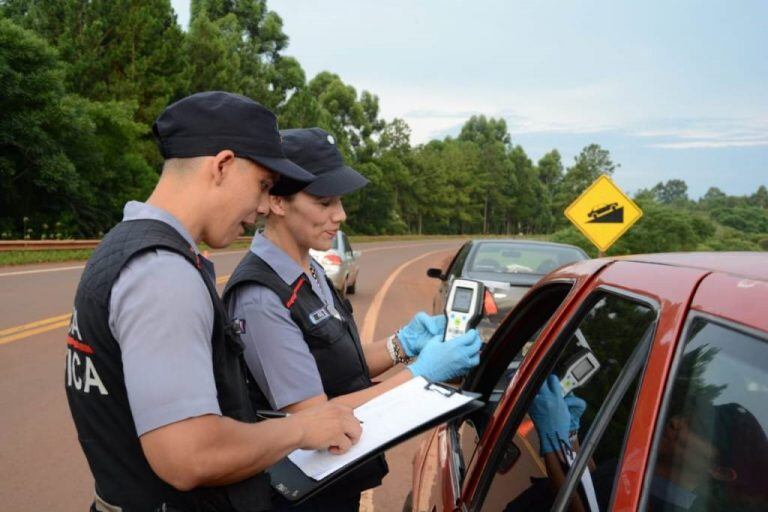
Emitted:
<point x="41" y="271"/>
<point x="372" y="315"/>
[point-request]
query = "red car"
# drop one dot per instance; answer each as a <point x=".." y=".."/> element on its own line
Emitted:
<point x="664" y="361"/>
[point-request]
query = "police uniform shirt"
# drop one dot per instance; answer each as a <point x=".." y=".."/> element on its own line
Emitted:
<point x="161" y="314"/>
<point x="275" y="350"/>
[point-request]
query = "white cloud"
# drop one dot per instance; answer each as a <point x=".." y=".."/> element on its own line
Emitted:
<point x="709" y="133"/>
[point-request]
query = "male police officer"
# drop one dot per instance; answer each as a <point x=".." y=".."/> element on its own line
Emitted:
<point x="154" y="369"/>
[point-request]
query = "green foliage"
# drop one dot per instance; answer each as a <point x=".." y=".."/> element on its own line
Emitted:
<point x="573" y="236"/>
<point x="592" y="162"/>
<point x="81" y="83"/>
<point x="748" y="219"/>
<point x="114" y="49"/>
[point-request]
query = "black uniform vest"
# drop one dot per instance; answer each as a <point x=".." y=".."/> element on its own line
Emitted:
<point x="97" y="395"/>
<point x="335" y="345"/>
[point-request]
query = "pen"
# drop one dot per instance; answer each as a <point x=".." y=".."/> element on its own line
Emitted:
<point x="267" y="414"/>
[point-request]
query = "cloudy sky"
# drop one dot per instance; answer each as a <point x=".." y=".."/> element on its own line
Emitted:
<point x="674" y="89"/>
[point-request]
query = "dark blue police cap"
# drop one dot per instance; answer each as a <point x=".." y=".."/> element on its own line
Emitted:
<point x="209" y="122"/>
<point x="315" y="150"/>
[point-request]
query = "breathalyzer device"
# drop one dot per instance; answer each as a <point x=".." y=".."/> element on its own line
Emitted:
<point x="579" y="369"/>
<point x="464" y="307"/>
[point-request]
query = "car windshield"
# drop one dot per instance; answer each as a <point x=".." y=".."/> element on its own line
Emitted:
<point x="521" y="258"/>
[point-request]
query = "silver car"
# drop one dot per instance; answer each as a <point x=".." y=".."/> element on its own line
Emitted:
<point x="341" y="264"/>
<point x="508" y="268"/>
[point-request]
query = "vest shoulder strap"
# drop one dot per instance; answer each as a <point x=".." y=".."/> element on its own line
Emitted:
<point x="125" y="241"/>
<point x="253" y="269"/>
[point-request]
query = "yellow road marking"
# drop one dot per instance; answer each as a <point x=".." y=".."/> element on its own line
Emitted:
<point x="48" y="324"/>
<point x="31" y="325"/>
<point x="24" y="331"/>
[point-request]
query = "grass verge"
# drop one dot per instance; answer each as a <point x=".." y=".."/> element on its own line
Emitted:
<point x="13" y="258"/>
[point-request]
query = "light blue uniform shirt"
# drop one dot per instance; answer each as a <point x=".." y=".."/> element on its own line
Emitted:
<point x="275" y="350"/>
<point x="161" y="314"/>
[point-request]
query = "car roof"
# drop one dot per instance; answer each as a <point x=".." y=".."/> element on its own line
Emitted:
<point x="523" y="241"/>
<point x="751" y="265"/>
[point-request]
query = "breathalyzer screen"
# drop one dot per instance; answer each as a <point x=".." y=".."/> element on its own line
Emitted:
<point x="582" y="368"/>
<point x="462" y="299"/>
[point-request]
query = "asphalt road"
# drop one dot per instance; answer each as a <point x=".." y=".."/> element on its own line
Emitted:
<point x="41" y="465"/>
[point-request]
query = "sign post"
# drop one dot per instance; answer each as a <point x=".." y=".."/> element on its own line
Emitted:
<point x="603" y="213"/>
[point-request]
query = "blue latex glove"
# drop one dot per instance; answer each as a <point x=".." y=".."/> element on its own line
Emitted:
<point x="445" y="360"/>
<point x="576" y="407"/>
<point x="550" y="416"/>
<point x="419" y="331"/>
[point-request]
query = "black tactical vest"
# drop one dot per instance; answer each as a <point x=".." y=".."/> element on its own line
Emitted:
<point x="335" y="345"/>
<point x="97" y="395"/>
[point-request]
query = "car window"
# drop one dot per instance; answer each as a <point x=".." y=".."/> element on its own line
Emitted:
<point x="347" y="244"/>
<point x="520" y="258"/>
<point x="529" y="463"/>
<point x="711" y="451"/>
<point x="335" y="243"/>
<point x="594" y="489"/>
<point x="502" y="359"/>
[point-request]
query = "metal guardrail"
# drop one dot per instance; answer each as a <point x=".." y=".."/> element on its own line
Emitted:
<point x="46" y="245"/>
<point x="55" y="245"/>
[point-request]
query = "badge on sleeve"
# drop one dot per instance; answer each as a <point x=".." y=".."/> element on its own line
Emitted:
<point x="320" y="315"/>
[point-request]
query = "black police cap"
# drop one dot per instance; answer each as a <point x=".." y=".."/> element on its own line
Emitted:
<point x="315" y="150"/>
<point x="206" y="123"/>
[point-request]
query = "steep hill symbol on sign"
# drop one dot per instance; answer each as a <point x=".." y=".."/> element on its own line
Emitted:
<point x="610" y="213"/>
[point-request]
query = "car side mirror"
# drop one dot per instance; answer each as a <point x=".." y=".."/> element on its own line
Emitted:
<point x="356" y="254"/>
<point x="436" y="273"/>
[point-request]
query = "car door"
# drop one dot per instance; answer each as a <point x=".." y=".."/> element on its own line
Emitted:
<point x="629" y="315"/>
<point x="710" y="449"/>
<point x="350" y="259"/>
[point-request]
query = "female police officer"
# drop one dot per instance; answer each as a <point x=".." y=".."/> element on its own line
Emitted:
<point x="305" y="348"/>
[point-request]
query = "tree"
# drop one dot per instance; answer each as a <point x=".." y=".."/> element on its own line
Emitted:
<point x="671" y="192"/>
<point x="264" y="73"/>
<point x="760" y="198"/>
<point x="592" y="162"/>
<point x="212" y="50"/>
<point x="494" y="180"/>
<point x="116" y="49"/>
<point x="63" y="159"/>
<point x="551" y="169"/>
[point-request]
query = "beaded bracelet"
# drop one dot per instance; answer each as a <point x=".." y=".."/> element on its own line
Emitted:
<point x="394" y="351"/>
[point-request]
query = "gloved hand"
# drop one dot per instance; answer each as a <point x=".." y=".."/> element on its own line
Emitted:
<point x="419" y="331"/>
<point x="446" y="360"/>
<point x="576" y="407"/>
<point x="550" y="416"/>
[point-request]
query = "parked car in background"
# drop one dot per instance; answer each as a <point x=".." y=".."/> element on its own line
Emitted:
<point x="508" y="268"/>
<point x="673" y="418"/>
<point x="340" y="263"/>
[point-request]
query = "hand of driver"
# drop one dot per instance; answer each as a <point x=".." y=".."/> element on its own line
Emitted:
<point x="550" y="416"/>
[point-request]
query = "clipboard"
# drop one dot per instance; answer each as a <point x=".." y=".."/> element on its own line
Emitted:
<point x="295" y="486"/>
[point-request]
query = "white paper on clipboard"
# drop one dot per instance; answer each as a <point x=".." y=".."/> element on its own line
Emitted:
<point x="385" y="418"/>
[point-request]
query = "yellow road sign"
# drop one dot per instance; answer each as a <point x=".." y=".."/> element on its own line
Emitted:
<point x="603" y="213"/>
